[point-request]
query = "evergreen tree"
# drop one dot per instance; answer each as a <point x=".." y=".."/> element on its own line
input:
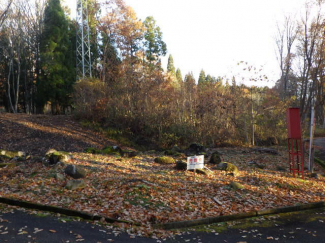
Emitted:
<point x="211" y="79"/>
<point x="201" y="77"/>
<point x="154" y="45"/>
<point x="170" y="65"/>
<point x="189" y="79"/>
<point x="57" y="66"/>
<point x="179" y="76"/>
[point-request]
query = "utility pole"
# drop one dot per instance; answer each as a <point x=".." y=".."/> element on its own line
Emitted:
<point x="83" y="46"/>
<point x="311" y="137"/>
<point x="253" y="122"/>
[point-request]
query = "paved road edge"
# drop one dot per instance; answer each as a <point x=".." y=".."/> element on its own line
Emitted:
<point x="166" y="226"/>
<point x="218" y="219"/>
<point x="68" y="212"/>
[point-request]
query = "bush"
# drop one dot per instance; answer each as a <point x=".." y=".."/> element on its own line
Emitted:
<point x="90" y="99"/>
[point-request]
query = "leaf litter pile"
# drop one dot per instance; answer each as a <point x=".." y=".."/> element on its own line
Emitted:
<point x="140" y="190"/>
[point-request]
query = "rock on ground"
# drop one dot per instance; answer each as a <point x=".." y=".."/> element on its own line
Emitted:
<point x="215" y="158"/>
<point x="164" y="160"/>
<point x="229" y="168"/>
<point x="75" y="171"/>
<point x="75" y="184"/>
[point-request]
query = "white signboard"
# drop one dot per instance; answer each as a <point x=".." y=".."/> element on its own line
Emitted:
<point x="195" y="162"/>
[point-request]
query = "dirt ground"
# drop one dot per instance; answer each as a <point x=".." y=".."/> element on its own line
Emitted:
<point x="138" y="189"/>
<point x="35" y="134"/>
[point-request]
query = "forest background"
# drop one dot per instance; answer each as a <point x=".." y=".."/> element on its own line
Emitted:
<point x="131" y="95"/>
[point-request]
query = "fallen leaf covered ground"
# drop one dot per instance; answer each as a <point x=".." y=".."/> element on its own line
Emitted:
<point x="35" y="134"/>
<point x="140" y="190"/>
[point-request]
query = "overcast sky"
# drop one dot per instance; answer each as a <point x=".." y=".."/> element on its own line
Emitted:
<point x="215" y="35"/>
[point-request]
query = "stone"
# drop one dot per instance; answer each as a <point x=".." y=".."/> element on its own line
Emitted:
<point x="215" y="158"/>
<point x="202" y="171"/>
<point x="92" y="150"/>
<point x="164" y="160"/>
<point x="75" y="171"/>
<point x="55" y="157"/>
<point x="229" y="168"/>
<point x="235" y="185"/>
<point x="181" y="165"/>
<point x="75" y="184"/>
<point x="112" y="150"/>
<point x="49" y="152"/>
<point x="195" y="149"/>
<point x="18" y="155"/>
<point x="129" y="153"/>
<point x="59" y="176"/>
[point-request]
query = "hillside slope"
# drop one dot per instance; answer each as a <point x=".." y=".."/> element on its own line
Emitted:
<point x="35" y="134"/>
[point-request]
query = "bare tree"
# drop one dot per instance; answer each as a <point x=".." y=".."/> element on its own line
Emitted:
<point x="309" y="46"/>
<point x="4" y="12"/>
<point x="19" y="63"/>
<point x="285" y="39"/>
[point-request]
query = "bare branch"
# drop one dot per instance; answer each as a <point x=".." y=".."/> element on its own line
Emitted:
<point x="4" y="13"/>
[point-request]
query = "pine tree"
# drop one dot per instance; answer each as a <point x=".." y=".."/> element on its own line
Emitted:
<point x="179" y="76"/>
<point x="201" y="77"/>
<point x="57" y="66"/>
<point x="154" y="45"/>
<point x="189" y="79"/>
<point x="170" y="65"/>
<point x="211" y="79"/>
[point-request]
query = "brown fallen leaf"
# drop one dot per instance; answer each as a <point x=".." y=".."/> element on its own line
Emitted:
<point x="78" y="236"/>
<point x="52" y="231"/>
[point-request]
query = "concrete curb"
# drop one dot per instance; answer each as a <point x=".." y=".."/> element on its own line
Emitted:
<point x="166" y="226"/>
<point x="68" y="212"/>
<point x="218" y="219"/>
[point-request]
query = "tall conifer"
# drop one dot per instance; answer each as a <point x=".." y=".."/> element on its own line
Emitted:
<point x="201" y="77"/>
<point x="57" y="70"/>
<point x="170" y="65"/>
<point x="179" y="76"/>
<point x="154" y="45"/>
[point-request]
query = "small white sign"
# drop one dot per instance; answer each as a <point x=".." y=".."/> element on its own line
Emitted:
<point x="195" y="162"/>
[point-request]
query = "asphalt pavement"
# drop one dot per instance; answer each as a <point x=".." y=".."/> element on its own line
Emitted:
<point x="21" y="226"/>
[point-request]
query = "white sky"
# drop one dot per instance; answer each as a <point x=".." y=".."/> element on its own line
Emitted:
<point x="215" y="35"/>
